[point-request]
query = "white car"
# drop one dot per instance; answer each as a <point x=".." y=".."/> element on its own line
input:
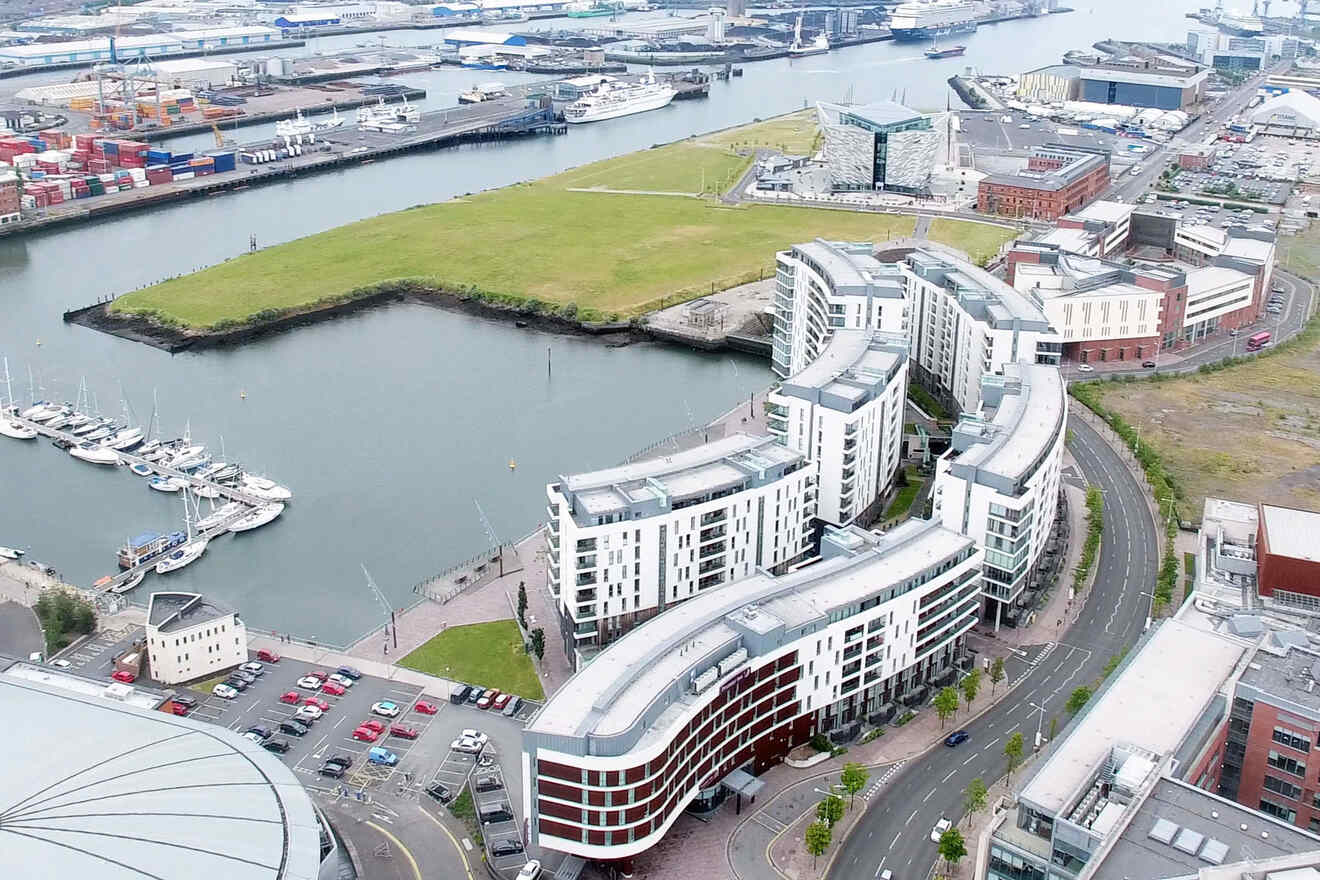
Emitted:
<point x="309" y="712"/>
<point x="466" y="744"/>
<point x="469" y="733"/>
<point x="1085" y="368"/>
<point x="938" y="831"/>
<point x="343" y="680"/>
<point x="530" y="871"/>
<point x="224" y="692"/>
<point x="310" y="683"/>
<point x="385" y="709"/>
<point x="253" y="667"/>
<point x="255" y="737"/>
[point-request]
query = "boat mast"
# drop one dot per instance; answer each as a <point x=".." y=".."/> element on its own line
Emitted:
<point x="9" y="391"/>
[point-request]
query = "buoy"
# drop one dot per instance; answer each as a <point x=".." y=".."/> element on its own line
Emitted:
<point x="242" y="395"/>
<point x="513" y="465"/>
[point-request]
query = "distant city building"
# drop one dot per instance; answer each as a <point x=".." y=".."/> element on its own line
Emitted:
<point x="1292" y="113"/>
<point x="1144" y="82"/>
<point x="1098" y="230"/>
<point x="737" y="8"/>
<point x="999" y="482"/>
<point x="130" y="47"/>
<point x="1058" y="180"/>
<point x="844" y="412"/>
<point x="881" y="146"/>
<point x="628" y="542"/>
<point x="687" y="709"/>
<point x="1217" y="47"/>
<point x="1197" y="158"/>
<point x="190" y="637"/>
<point x="10" y="197"/>
<point x="1288" y="557"/>
<point x="1051" y="85"/>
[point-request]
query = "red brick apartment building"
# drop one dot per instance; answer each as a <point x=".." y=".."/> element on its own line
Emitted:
<point x="1058" y="180"/>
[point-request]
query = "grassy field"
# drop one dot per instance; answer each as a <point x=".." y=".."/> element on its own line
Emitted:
<point x="981" y="241"/>
<point x="608" y="255"/>
<point x="794" y="133"/>
<point x="485" y="654"/>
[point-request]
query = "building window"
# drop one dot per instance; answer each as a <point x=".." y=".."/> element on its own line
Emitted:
<point x="1292" y="739"/>
<point x="1283" y="787"/>
<point x="1287" y="764"/>
<point x="1277" y="811"/>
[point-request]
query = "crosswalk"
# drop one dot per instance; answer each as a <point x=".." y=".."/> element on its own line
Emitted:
<point x="884" y="778"/>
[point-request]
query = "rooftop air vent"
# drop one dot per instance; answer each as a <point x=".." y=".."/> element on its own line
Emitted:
<point x="1214" y="852"/>
<point x="1164" y="831"/>
<point x="1188" y="841"/>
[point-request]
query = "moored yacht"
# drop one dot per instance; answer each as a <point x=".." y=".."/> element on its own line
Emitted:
<point x="91" y="453"/>
<point x="258" y="518"/>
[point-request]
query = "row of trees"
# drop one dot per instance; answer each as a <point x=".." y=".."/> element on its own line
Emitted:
<point x="535" y="638"/>
<point x="63" y="616"/>
<point x="946" y="701"/>
<point x="830" y="810"/>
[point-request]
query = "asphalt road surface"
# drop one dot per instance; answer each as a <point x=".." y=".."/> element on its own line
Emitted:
<point x="895" y="834"/>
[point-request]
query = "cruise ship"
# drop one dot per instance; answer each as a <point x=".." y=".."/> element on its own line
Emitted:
<point x="935" y="18"/>
<point x="614" y="98"/>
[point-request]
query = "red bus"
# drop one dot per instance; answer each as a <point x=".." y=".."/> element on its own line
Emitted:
<point x="1258" y="341"/>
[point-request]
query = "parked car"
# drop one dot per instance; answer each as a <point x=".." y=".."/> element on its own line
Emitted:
<point x="334" y="771"/>
<point x="243" y="674"/>
<point x="184" y="700"/>
<point x="515" y="703"/>
<point x="957" y="738"/>
<point x="290" y="697"/>
<point x="263" y="732"/>
<point x="307" y="714"/>
<point x="179" y="708"/>
<point x="467" y="745"/>
<point x="403" y="731"/>
<point x="1085" y="368"/>
<point x="365" y="734"/>
<point x="378" y="755"/>
<point x="310" y="682"/>
<point x="509" y="846"/>
<point x="237" y="684"/>
<point x="489" y="783"/>
<point x="333" y="688"/>
<point x="317" y="702"/>
<point x="350" y="671"/>
<point x="276" y="745"/>
<point x="426" y="708"/>
<point x="495" y="813"/>
<point x="253" y="667"/>
<point x="474" y="734"/>
<point x="475" y="694"/>
<point x="501" y="701"/>
<point x="386" y="709"/>
<point x="1148" y="365"/>
<point x="460" y="693"/>
<point x="938" y="831"/>
<point x="123" y="675"/>
<point x="373" y="724"/>
<point x="342" y="760"/>
<point x="438" y="791"/>
<point x="268" y="656"/>
<point x="294" y="727"/>
<point x="530" y="871"/>
<point x="224" y="692"/>
<point x="487" y="698"/>
<point x="341" y="680"/>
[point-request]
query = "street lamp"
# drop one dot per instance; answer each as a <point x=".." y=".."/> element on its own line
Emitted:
<point x="1039" y="721"/>
<point x="1150" y="615"/>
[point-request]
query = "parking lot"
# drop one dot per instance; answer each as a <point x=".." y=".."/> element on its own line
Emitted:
<point x="1211" y="215"/>
<point x="1264" y="170"/>
<point x="988" y="130"/>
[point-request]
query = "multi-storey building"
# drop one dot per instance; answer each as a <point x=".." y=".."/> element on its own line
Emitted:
<point x="10" y="198"/>
<point x="844" y="412"/>
<point x="1288" y="557"/>
<point x="628" y="542"/>
<point x="824" y="286"/>
<point x="190" y="637"/>
<point x="1159" y="82"/>
<point x="883" y="145"/>
<point x="999" y="482"/>
<point x="1058" y="179"/>
<point x="1098" y="230"/>
<point x="680" y="710"/>
<point x="965" y="323"/>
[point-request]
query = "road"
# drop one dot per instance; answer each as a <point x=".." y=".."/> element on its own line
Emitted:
<point x="895" y="834"/>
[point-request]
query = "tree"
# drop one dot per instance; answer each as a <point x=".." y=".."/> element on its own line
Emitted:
<point x="522" y="603"/>
<point x="830" y="809"/>
<point x="1077" y="700"/>
<point x="996" y="674"/>
<point x="974" y="797"/>
<point x="854" y="779"/>
<point x="970" y="686"/>
<point x="538" y="642"/>
<point x="952" y="847"/>
<point x="946" y="703"/>
<point x="818" y="840"/>
<point x="1013" y="751"/>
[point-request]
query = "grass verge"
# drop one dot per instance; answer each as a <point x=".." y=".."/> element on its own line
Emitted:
<point x="981" y="243"/>
<point x="1095" y="523"/>
<point x="486" y="654"/>
<point x="465" y="811"/>
<point x="904" y="497"/>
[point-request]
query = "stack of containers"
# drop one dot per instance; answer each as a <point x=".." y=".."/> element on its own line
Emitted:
<point x="132" y="154"/>
<point x="13" y="146"/>
<point x="158" y="157"/>
<point x="95" y="186"/>
<point x="81" y="189"/>
<point x="179" y="167"/>
<point x="123" y="180"/>
<point x="224" y="161"/>
<point x="202" y="165"/>
<point x="53" y="161"/>
<point x="159" y="174"/>
<point x="109" y="150"/>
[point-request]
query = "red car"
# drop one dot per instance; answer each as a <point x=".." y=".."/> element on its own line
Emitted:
<point x="319" y="673"/>
<point x="426" y="708"/>
<point x="373" y="724"/>
<point x="365" y="734"/>
<point x="179" y="708"/>
<point x="487" y="698"/>
<point x="317" y="702"/>
<point x="334" y="689"/>
<point x="293" y="698"/>
<point x="125" y="676"/>
<point x="268" y="656"/>
<point x="501" y="701"/>
<point x="402" y="731"/>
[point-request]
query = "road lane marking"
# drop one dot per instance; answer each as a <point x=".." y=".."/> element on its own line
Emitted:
<point x="969" y="760"/>
<point x="950" y="776"/>
<point x="896" y="837"/>
<point x="910" y="818"/>
<point x="929" y="795"/>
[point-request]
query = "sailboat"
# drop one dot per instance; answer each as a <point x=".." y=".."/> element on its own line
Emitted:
<point x="125" y="438"/>
<point x="257" y="518"/>
<point x="266" y="490"/>
<point x="188" y="455"/>
<point x="188" y="552"/>
<point x="152" y="444"/>
<point x="9" y="427"/>
<point x="819" y="46"/>
<point x="219" y="515"/>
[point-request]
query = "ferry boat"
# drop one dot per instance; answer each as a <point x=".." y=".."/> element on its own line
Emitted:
<point x="300" y="125"/>
<point x="929" y="19"/>
<point x="381" y="114"/>
<point x="614" y="98"/>
<point x="148" y="546"/>
<point x="483" y="92"/>
<point x="947" y="52"/>
<point x="798" y="49"/>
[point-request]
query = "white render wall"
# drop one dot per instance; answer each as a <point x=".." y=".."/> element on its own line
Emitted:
<point x="197" y="651"/>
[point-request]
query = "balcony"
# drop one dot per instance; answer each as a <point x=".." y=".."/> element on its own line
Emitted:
<point x="553" y="540"/>
<point x="711" y="565"/>
<point x="586" y="545"/>
<point x="584" y="630"/>
<point x="713" y="534"/>
<point x="848" y="473"/>
<point x="586" y="579"/>
<point x="710" y="550"/>
<point x="852" y="651"/>
<point x="715" y="516"/>
<point x="586" y="596"/>
<point x="553" y="525"/>
<point x="850" y="431"/>
<point x="850" y="443"/>
<point x="585" y="562"/>
<point x="711" y="580"/>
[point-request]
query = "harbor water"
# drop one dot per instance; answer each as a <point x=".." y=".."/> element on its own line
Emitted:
<point x="393" y="425"/>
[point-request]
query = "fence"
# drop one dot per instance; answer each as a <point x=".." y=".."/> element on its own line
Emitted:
<point x="707" y="432"/>
<point x="445" y="585"/>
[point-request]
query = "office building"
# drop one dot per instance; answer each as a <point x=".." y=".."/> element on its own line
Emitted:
<point x="882" y="146"/>
<point x="1219" y="47"/>
<point x="999" y="481"/>
<point x="1058" y="180"/>
<point x="191" y="637"/>
<point x="1098" y="230"/>
<point x="628" y="542"/>
<point x="689" y="707"/>
<point x="1161" y="82"/>
<point x="844" y="413"/>
<point x="1288" y="556"/>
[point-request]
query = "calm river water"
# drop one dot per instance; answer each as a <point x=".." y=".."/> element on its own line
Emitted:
<point x="392" y="426"/>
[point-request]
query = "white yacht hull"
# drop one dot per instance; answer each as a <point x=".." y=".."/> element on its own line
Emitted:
<point x="257" y="518"/>
<point x="184" y="555"/>
<point x="97" y="455"/>
<point x="15" y="430"/>
<point x="130" y="583"/>
<point x="10" y="553"/>
<point x="614" y="112"/>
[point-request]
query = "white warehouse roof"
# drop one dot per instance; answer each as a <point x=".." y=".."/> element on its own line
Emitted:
<point x="1290" y="108"/>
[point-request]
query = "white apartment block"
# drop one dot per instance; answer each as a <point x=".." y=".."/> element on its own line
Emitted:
<point x="1212" y="293"/>
<point x="824" y="286"/>
<point x="999" y="482"/>
<point x="966" y="323"/>
<point x="191" y="637"/>
<point x="1088" y="299"/>
<point x="844" y="413"/>
<point x="628" y="542"/>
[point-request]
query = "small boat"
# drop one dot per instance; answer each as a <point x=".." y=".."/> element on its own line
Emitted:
<point x="166" y="484"/>
<point x="258" y="518"/>
<point x="141" y="469"/>
<point x="266" y="490"/>
<point x="91" y="426"/>
<point x="39" y="410"/>
<point x="948" y="52"/>
<point x="184" y="555"/>
<point x="10" y="553"/>
<point x="63" y="443"/>
<point x="94" y="454"/>
<point x="219" y="472"/>
<point x="15" y="430"/>
<point x="100" y="432"/>
<point x="51" y="415"/>
<point x="156" y="455"/>
<point x="123" y="440"/>
<point x="219" y="515"/>
<point x="129" y="584"/>
<point x="187" y="457"/>
<point x="146" y="547"/>
<point x="77" y="420"/>
<point x="61" y="420"/>
<point x="149" y="447"/>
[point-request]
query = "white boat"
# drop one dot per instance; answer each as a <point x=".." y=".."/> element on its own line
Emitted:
<point x="187" y="457"/>
<point x="50" y="414"/>
<point x="130" y="583"/>
<point x="483" y="92"/>
<point x="167" y="484"/>
<point x="381" y="114"/>
<point x="93" y="425"/>
<point x="62" y="419"/>
<point x="40" y="409"/>
<point x="91" y="453"/>
<point x="184" y="555"/>
<point x="205" y="491"/>
<point x="614" y="98"/>
<point x="219" y="515"/>
<point x="122" y="440"/>
<point x="141" y="470"/>
<point x="929" y="19"/>
<point x="77" y="420"/>
<point x="100" y="432"/>
<point x="257" y="518"/>
<point x="798" y="49"/>
<point x="300" y="125"/>
<point x="266" y="490"/>
<point x="10" y="553"/>
<point x="9" y="428"/>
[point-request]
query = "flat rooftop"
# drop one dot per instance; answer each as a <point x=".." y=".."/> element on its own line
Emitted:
<point x="1245" y="248"/>
<point x="1172" y="677"/>
<point x="1289" y="675"/>
<point x="1105" y="211"/>
<point x="855" y="365"/>
<point x="1291" y="532"/>
<point x="615" y="689"/>
<point x="171" y="612"/>
<point x="998" y="302"/>
<point x="1167" y="79"/>
<point x="1202" y="277"/>
<point x="1013" y="437"/>
<point x="1052" y="180"/>
<point x="852" y="267"/>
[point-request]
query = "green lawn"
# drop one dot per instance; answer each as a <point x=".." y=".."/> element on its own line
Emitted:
<point x="683" y="167"/>
<point x="980" y="241"/>
<point x="904" y="497"/>
<point x="794" y="133"/>
<point x="485" y="654"/>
